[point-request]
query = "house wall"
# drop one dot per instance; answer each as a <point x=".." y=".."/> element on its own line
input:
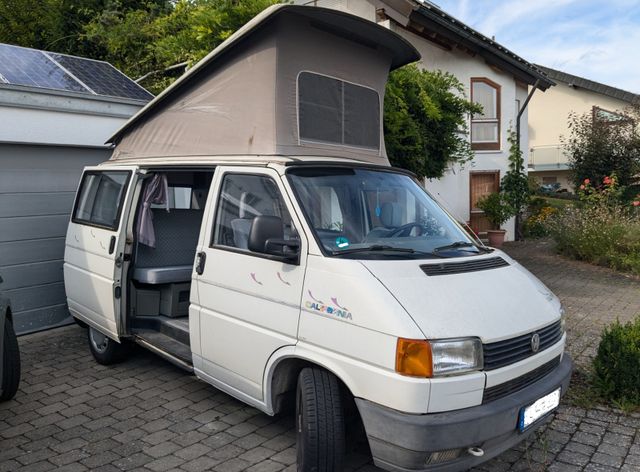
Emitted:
<point x="45" y="142"/>
<point x="549" y="111"/>
<point x="548" y="123"/>
<point x="453" y="189"/>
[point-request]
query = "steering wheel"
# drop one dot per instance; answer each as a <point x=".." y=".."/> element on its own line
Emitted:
<point x="405" y="230"/>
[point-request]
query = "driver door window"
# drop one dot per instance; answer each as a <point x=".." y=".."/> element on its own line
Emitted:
<point x="242" y="198"/>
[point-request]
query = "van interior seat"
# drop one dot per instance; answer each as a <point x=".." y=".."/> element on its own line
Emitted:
<point x="251" y="205"/>
<point x="390" y="217"/>
<point x="171" y="261"/>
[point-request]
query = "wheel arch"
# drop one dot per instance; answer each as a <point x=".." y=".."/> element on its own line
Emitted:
<point x="281" y="376"/>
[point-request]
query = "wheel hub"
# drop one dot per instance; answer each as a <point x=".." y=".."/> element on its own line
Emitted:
<point x="99" y="340"/>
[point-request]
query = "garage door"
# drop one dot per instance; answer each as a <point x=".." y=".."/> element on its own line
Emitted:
<point x="37" y="186"/>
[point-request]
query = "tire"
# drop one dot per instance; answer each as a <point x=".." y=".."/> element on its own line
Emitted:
<point x="11" y="363"/>
<point x="319" y="422"/>
<point x="105" y="350"/>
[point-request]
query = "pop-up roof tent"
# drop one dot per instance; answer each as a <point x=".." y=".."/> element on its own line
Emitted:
<point x="295" y="80"/>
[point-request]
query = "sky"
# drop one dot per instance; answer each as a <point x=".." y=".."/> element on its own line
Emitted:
<point x="597" y="40"/>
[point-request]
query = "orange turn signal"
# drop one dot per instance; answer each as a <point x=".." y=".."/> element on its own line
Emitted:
<point x="413" y="358"/>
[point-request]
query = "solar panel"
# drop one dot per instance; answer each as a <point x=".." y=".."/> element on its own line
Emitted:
<point x="102" y="77"/>
<point x="20" y="66"/>
<point x="33" y="68"/>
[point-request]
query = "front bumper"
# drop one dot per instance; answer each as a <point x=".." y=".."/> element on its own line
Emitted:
<point x="404" y="442"/>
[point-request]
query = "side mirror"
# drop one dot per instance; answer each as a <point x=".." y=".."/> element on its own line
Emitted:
<point x="267" y="237"/>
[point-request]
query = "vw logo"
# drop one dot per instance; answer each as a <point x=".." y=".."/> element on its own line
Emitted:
<point x="535" y="342"/>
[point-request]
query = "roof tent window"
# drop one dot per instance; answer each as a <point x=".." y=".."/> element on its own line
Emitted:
<point x="337" y="112"/>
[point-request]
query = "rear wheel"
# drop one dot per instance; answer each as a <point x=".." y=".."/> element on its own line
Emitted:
<point x="105" y="350"/>
<point x="11" y="363"/>
<point x="319" y="422"/>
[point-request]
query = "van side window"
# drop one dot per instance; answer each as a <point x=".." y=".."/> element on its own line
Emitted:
<point x="100" y="198"/>
<point x="242" y="198"/>
<point x="179" y="198"/>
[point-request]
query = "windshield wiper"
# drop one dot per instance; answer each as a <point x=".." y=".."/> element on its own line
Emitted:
<point x="460" y="245"/>
<point x="383" y="247"/>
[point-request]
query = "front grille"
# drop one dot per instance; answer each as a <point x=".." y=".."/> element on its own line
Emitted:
<point x="513" y="385"/>
<point x="449" y="268"/>
<point x="512" y="350"/>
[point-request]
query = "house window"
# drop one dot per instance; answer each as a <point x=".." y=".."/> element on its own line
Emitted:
<point x="337" y="112"/>
<point x="609" y="117"/>
<point x="485" y="127"/>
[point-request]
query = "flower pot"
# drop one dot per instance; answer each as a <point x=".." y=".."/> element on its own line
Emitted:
<point x="496" y="237"/>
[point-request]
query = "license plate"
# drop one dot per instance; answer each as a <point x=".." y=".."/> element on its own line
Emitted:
<point x="530" y="414"/>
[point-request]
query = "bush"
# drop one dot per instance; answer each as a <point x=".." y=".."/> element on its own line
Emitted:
<point x="617" y="364"/>
<point x="602" y="227"/>
<point x="608" y="236"/>
<point x="536" y="226"/>
<point x="496" y="209"/>
<point x="598" y="146"/>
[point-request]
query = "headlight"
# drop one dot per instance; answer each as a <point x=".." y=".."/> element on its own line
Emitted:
<point x="420" y="358"/>
<point x="454" y="356"/>
<point x="563" y="320"/>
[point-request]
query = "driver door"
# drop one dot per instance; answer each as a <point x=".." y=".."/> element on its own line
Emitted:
<point x="95" y="247"/>
<point x="248" y="304"/>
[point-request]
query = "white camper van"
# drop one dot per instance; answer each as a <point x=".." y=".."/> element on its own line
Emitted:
<point x="249" y="229"/>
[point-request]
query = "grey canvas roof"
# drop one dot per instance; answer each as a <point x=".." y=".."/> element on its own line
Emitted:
<point x="429" y="20"/>
<point x="242" y="99"/>
<point x="591" y="85"/>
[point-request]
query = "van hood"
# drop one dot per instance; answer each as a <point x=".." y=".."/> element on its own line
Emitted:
<point x="493" y="303"/>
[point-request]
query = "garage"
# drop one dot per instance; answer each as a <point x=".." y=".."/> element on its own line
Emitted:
<point x="56" y="113"/>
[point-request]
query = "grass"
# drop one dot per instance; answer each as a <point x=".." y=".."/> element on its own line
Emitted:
<point x="583" y="394"/>
<point x="558" y="203"/>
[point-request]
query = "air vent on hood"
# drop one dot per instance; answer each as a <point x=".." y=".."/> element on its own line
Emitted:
<point x="448" y="268"/>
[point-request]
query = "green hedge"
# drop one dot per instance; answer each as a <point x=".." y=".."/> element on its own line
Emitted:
<point x="617" y="364"/>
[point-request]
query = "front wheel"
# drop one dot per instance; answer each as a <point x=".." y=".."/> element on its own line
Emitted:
<point x="319" y="422"/>
<point x="105" y="350"/>
<point x="10" y="363"/>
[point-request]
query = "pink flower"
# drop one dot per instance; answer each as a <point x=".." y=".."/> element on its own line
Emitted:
<point x="636" y="203"/>
<point x="607" y="180"/>
<point x="587" y="181"/>
<point x="582" y="187"/>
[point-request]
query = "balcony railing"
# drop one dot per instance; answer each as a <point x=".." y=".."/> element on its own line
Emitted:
<point x="551" y="157"/>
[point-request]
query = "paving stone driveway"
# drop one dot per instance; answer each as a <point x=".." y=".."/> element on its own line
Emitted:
<point x="73" y="414"/>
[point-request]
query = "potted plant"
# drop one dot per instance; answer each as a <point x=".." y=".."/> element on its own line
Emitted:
<point x="498" y="211"/>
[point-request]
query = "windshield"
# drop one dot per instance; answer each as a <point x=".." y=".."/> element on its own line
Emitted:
<point x="371" y="213"/>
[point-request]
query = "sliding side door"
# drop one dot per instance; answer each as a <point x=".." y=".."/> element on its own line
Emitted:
<point x="94" y="248"/>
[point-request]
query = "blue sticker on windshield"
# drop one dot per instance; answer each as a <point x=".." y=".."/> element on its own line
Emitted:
<point x="378" y="211"/>
<point x="342" y="242"/>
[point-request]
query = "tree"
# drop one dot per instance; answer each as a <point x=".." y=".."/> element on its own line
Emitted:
<point x="515" y="183"/>
<point x="59" y="25"/>
<point x="153" y="39"/>
<point x="425" y="121"/>
<point x="598" y="147"/>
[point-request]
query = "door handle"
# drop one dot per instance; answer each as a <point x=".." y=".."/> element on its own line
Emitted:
<point x="201" y="258"/>
<point x="112" y="244"/>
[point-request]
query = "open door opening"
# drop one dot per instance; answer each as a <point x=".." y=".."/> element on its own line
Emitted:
<point x="168" y="218"/>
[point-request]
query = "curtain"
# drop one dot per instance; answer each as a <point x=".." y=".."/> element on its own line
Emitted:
<point x="156" y="192"/>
